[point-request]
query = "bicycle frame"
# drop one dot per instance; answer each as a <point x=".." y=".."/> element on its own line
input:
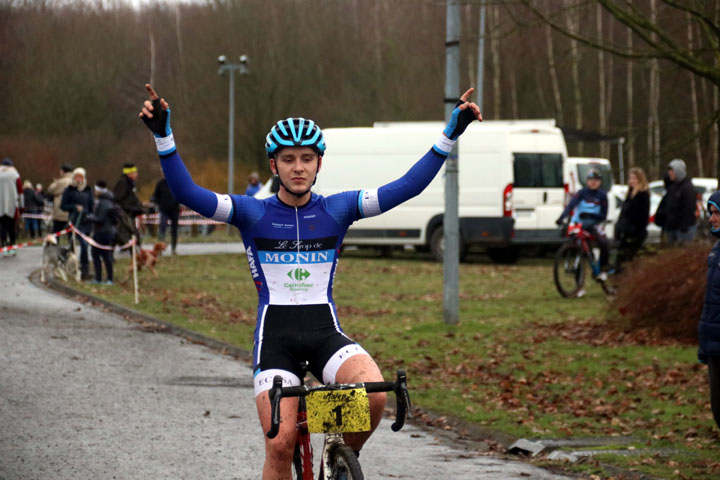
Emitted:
<point x="583" y="238"/>
<point x="277" y="392"/>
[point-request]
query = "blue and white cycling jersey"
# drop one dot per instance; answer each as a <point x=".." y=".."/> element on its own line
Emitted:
<point x="292" y="253"/>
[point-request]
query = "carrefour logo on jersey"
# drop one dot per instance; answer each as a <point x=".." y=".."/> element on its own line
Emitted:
<point x="298" y="274"/>
<point x="320" y="256"/>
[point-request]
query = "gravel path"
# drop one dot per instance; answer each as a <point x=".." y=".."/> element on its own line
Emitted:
<point x="84" y="394"/>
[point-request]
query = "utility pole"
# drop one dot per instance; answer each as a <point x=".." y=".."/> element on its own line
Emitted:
<point x="231" y="68"/>
<point x="451" y="226"/>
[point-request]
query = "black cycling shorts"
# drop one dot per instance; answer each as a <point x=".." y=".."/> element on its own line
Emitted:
<point x="290" y="334"/>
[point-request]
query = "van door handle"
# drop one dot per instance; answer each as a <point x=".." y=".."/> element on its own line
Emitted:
<point x="544" y="197"/>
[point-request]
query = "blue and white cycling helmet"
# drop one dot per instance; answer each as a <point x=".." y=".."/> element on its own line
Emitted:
<point x="593" y="175"/>
<point x="294" y="132"/>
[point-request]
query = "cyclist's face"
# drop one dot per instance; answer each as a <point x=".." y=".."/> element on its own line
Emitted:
<point x="296" y="167"/>
<point x="714" y="217"/>
<point x="593" y="183"/>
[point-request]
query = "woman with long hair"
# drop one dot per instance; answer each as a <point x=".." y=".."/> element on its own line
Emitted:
<point x="631" y="227"/>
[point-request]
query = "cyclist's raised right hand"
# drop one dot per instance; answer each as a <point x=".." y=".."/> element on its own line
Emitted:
<point x="156" y="116"/>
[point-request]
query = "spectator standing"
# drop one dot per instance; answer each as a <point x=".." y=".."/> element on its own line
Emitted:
<point x="709" y="328"/>
<point x="55" y="190"/>
<point x="680" y="205"/>
<point x="126" y="197"/>
<point x="631" y="227"/>
<point x="254" y="184"/>
<point x="34" y="203"/>
<point x="10" y="201"/>
<point x="104" y="219"/>
<point x="169" y="209"/>
<point x="78" y="201"/>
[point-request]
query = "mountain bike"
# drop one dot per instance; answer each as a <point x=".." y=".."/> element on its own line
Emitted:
<point x="571" y="259"/>
<point x="333" y="409"/>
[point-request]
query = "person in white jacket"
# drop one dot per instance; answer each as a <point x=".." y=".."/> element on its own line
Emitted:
<point x="10" y="204"/>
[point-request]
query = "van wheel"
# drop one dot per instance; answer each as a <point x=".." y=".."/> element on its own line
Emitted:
<point x="505" y="255"/>
<point x="437" y="245"/>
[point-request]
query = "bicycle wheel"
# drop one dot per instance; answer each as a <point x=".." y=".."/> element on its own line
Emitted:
<point x="345" y="464"/>
<point x="569" y="270"/>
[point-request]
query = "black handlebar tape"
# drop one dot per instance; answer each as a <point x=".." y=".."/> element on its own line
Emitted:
<point x="276" y="394"/>
<point x="403" y="400"/>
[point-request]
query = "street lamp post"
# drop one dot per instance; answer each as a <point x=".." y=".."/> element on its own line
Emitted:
<point x="242" y="69"/>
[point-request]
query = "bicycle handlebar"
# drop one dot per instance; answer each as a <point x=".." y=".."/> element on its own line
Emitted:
<point x="399" y="386"/>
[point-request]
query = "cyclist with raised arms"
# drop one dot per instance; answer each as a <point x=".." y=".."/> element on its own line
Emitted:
<point x="293" y="241"/>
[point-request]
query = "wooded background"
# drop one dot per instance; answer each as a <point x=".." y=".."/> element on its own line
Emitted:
<point x="72" y="76"/>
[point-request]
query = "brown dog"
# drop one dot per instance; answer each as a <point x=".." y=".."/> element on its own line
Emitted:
<point x="148" y="258"/>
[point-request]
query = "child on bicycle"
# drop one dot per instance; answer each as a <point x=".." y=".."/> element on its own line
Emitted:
<point x="589" y="207"/>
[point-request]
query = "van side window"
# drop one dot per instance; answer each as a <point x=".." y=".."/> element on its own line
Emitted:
<point x="538" y="170"/>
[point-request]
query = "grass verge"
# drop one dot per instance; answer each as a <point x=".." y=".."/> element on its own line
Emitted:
<point x="522" y="360"/>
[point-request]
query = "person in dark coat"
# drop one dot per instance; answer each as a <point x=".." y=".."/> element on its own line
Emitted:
<point x="127" y="198"/>
<point x="680" y="205"/>
<point x="709" y="328"/>
<point x="169" y="209"/>
<point x="104" y="218"/>
<point x="78" y="201"/>
<point x="34" y="204"/>
<point x="631" y="227"/>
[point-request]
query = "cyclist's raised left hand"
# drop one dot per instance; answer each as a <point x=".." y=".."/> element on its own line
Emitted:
<point x="155" y="114"/>
<point x="462" y="116"/>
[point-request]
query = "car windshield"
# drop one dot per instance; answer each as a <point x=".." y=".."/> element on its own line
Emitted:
<point x="607" y="180"/>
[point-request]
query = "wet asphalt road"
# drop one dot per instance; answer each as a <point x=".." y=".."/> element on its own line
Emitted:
<point x="84" y="394"/>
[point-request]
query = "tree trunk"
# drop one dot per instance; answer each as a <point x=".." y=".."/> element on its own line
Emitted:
<point x="602" y="92"/>
<point x="513" y="94"/>
<point x="495" y="56"/>
<point x="553" y="76"/>
<point x="653" y="129"/>
<point x="152" y="58"/>
<point x="630" y="141"/>
<point x="571" y="19"/>
<point x="693" y="100"/>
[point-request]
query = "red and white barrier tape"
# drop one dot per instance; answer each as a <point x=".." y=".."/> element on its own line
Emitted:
<point x="33" y="242"/>
<point x="97" y="245"/>
<point x="147" y="219"/>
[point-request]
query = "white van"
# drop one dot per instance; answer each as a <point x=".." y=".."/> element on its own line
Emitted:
<point x="577" y="169"/>
<point x="512" y="184"/>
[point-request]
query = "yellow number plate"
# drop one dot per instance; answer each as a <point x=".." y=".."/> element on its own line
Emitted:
<point x="338" y="411"/>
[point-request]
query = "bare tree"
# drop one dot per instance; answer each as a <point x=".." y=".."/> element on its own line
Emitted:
<point x="693" y="101"/>
<point x="656" y="42"/>
<point x="602" y="92"/>
<point x="572" y="19"/>
<point x="653" y="120"/>
<point x="630" y="143"/>
<point x="495" y="57"/>
<point x="553" y="75"/>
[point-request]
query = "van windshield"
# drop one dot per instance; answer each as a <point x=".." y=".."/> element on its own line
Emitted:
<point x="605" y="172"/>
<point x="538" y="170"/>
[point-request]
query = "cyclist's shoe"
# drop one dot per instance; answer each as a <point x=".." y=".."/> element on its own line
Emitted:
<point x="602" y="277"/>
<point x="580" y="293"/>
